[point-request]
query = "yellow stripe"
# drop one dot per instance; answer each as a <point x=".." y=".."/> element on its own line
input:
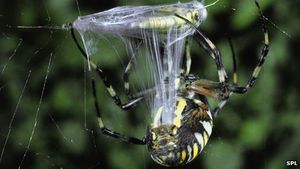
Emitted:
<point x="111" y="91"/>
<point x="266" y="38"/>
<point x="256" y="71"/>
<point x="100" y="122"/>
<point x="179" y="109"/>
<point x="183" y="156"/>
<point x="234" y="77"/>
<point x="153" y="136"/>
<point x="195" y="150"/>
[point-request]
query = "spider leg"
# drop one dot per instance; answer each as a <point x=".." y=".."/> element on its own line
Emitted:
<point x="263" y="53"/>
<point x="105" y="80"/>
<point x="213" y="51"/>
<point x="234" y="79"/>
<point x="107" y="131"/>
<point x="200" y="88"/>
<point x="216" y="55"/>
<point x="114" y="95"/>
<point x="126" y="77"/>
<point x="256" y="71"/>
<point x="210" y="86"/>
<point x="128" y="68"/>
<point x="262" y="56"/>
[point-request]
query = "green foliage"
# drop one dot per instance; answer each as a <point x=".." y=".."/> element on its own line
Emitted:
<point x="222" y="154"/>
<point x="257" y="130"/>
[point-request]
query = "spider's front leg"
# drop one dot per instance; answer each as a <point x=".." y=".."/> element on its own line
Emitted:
<point x="212" y="50"/>
<point x="242" y="89"/>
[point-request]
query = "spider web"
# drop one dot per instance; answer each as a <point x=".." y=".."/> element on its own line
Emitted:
<point x="161" y="64"/>
<point x="49" y="77"/>
<point x="33" y="112"/>
<point x="47" y="116"/>
<point x="36" y="110"/>
<point x="27" y="79"/>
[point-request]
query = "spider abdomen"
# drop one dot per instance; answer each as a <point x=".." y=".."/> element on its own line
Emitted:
<point x="172" y="145"/>
<point x="179" y="149"/>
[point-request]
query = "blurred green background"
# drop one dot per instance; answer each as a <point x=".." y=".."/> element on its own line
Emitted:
<point x="258" y="130"/>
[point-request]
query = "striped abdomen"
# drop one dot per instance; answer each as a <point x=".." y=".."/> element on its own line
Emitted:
<point x="171" y="145"/>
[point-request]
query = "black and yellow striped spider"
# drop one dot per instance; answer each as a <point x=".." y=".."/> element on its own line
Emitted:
<point x="182" y="141"/>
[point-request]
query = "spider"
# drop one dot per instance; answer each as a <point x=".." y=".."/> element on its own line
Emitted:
<point x="181" y="141"/>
